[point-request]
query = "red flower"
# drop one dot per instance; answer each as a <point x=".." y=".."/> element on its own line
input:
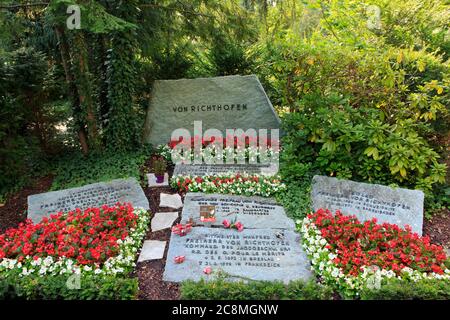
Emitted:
<point x="87" y="236"/>
<point x="207" y="270"/>
<point x="370" y="244"/>
<point x="239" y="226"/>
<point x="226" y="223"/>
<point x="179" y="259"/>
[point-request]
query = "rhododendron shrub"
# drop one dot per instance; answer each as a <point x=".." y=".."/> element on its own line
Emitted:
<point x="354" y="255"/>
<point x="97" y="240"/>
<point x="230" y="183"/>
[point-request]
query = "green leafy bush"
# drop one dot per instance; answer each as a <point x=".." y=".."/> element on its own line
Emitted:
<point x="254" y="290"/>
<point x="88" y="287"/>
<point x="29" y="109"/>
<point x="370" y="104"/>
<point x="395" y="289"/>
<point x="336" y="139"/>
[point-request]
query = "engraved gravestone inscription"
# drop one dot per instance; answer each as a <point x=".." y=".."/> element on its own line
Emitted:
<point x="366" y="201"/>
<point x="92" y="195"/>
<point x="257" y="254"/>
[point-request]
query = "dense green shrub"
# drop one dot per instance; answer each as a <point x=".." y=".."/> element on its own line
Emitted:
<point x="401" y="290"/>
<point x="89" y="287"/>
<point x="356" y="101"/>
<point x="29" y="112"/>
<point x="254" y="290"/>
<point x="338" y="140"/>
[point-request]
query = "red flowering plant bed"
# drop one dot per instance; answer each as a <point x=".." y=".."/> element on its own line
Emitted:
<point x="97" y="240"/>
<point x="353" y="255"/>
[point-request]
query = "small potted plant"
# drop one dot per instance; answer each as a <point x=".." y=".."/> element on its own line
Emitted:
<point x="159" y="168"/>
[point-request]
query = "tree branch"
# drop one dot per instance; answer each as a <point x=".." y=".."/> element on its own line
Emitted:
<point x="157" y="6"/>
<point x="24" y="5"/>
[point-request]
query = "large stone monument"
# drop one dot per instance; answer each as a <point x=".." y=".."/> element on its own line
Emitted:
<point x="231" y="102"/>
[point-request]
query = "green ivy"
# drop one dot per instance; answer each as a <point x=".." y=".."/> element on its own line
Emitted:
<point x="76" y="170"/>
<point x="121" y="131"/>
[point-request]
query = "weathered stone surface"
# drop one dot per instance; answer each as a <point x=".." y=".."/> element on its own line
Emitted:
<point x="151" y="178"/>
<point x="163" y="220"/>
<point x="170" y="200"/>
<point x="217" y="169"/>
<point x="152" y="250"/>
<point x="253" y="212"/>
<point x="91" y="195"/>
<point x="367" y="201"/>
<point x="231" y="102"/>
<point x="257" y="254"/>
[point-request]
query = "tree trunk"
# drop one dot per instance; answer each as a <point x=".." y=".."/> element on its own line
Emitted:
<point x="65" y="60"/>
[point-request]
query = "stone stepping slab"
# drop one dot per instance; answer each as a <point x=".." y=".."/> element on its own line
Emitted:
<point x="152" y="250"/>
<point x="163" y="220"/>
<point x="170" y="200"/>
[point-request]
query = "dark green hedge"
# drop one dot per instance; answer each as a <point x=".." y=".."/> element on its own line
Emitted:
<point x="254" y="290"/>
<point x="402" y="290"/>
<point x="91" y="287"/>
<point x="298" y="290"/>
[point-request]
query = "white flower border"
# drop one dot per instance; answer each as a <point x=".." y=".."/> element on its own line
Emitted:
<point x="371" y="278"/>
<point x="122" y="263"/>
<point x="265" y="186"/>
<point x="252" y="154"/>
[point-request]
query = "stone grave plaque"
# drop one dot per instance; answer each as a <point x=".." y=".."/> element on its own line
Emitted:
<point x="91" y="195"/>
<point x="217" y="169"/>
<point x="253" y="212"/>
<point x="230" y="102"/>
<point x="257" y="254"/>
<point x="367" y="201"/>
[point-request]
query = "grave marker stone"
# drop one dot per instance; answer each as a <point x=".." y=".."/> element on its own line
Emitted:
<point x="217" y="169"/>
<point x="91" y="195"/>
<point x="366" y="201"/>
<point x="253" y="212"/>
<point x="257" y="254"/>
